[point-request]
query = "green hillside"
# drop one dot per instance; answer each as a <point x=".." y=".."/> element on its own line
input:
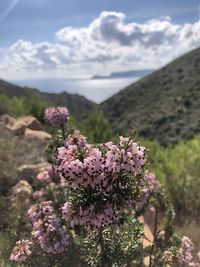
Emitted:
<point x="79" y="106"/>
<point x="164" y="105"/>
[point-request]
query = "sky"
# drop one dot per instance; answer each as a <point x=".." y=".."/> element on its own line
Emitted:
<point x="74" y="39"/>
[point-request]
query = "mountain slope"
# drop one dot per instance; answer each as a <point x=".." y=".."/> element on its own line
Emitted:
<point x="164" y="105"/>
<point x="79" y="106"/>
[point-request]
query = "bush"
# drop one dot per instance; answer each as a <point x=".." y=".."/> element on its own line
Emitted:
<point x="89" y="209"/>
<point x="178" y="169"/>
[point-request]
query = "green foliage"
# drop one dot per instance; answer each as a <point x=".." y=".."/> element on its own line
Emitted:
<point x="27" y="105"/>
<point x="178" y="169"/>
<point x="162" y="106"/>
<point x="97" y="128"/>
<point x="35" y="106"/>
<point x="114" y="247"/>
<point x="79" y="106"/>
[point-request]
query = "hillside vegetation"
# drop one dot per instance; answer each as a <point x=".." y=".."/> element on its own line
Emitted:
<point x="20" y="99"/>
<point x="164" y="105"/>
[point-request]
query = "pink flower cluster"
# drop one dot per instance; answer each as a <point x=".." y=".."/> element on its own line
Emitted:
<point x="187" y="248"/>
<point x="38" y="194"/>
<point x="102" y="170"/>
<point x="47" y="228"/>
<point x="151" y="180"/>
<point x="21" y="251"/>
<point x="47" y="175"/>
<point x="76" y="138"/>
<point x="89" y="216"/>
<point x="57" y="116"/>
<point x="66" y="210"/>
<point x="127" y="156"/>
<point x="86" y="166"/>
<point x="81" y="167"/>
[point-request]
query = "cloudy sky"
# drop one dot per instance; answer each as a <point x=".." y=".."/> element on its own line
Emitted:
<point x="68" y="39"/>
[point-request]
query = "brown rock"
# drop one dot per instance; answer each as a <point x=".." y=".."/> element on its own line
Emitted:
<point x="148" y="219"/>
<point x="38" y="135"/>
<point x="21" y="194"/>
<point x="18" y="128"/>
<point x="7" y="120"/>
<point x="29" y="172"/>
<point x="22" y="188"/>
<point x="30" y="122"/>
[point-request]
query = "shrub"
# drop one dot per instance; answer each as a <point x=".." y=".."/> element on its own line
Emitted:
<point x="90" y="214"/>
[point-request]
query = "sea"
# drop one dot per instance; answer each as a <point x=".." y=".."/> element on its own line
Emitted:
<point x="97" y="90"/>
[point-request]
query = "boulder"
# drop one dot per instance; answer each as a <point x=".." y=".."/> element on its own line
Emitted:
<point x="21" y="194"/>
<point x="29" y="172"/>
<point x="42" y="136"/>
<point x="18" y="128"/>
<point x="7" y="120"/>
<point x="22" y="188"/>
<point x="148" y="220"/>
<point x="30" y="122"/>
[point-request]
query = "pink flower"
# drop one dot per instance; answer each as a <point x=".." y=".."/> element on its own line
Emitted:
<point x="21" y="251"/>
<point x="194" y="264"/>
<point x="126" y="156"/>
<point x="37" y="194"/>
<point x="57" y="116"/>
<point x="66" y="211"/>
<point x="50" y="235"/>
<point x="37" y="212"/>
<point x="80" y="168"/>
<point x="44" y="177"/>
<point x="76" y="139"/>
<point x="151" y="179"/>
<point x="187" y="247"/>
<point x="198" y="255"/>
<point x="104" y="215"/>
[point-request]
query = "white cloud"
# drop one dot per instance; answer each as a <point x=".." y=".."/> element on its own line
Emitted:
<point x="107" y="44"/>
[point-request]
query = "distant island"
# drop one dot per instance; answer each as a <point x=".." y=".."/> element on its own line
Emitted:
<point x="124" y="74"/>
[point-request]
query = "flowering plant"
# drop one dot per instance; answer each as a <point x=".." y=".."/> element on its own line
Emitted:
<point x="101" y="192"/>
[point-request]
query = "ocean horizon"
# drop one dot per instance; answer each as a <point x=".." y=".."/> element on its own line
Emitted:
<point x="97" y="90"/>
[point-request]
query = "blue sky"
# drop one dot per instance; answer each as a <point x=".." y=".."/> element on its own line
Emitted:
<point x="79" y="38"/>
<point x="38" y="20"/>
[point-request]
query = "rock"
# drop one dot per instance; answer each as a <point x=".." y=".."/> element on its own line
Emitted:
<point x="38" y="135"/>
<point x="30" y="122"/>
<point x="7" y="120"/>
<point x="29" y="172"/>
<point x="148" y="219"/>
<point x="22" y="188"/>
<point x="2" y="125"/>
<point x="18" y="128"/>
<point x="21" y="194"/>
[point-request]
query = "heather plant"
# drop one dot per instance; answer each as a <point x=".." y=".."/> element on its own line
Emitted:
<point x="88" y="211"/>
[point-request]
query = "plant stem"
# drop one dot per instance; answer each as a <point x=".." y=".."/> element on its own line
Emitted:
<point x="63" y="132"/>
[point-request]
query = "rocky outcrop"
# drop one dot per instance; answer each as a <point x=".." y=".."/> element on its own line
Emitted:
<point x="7" y="120"/>
<point x="30" y="122"/>
<point x="21" y="194"/>
<point x="29" y="172"/>
<point x="148" y="220"/>
<point x="19" y="125"/>
<point x="18" y="128"/>
<point x="27" y="126"/>
<point x="39" y="135"/>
